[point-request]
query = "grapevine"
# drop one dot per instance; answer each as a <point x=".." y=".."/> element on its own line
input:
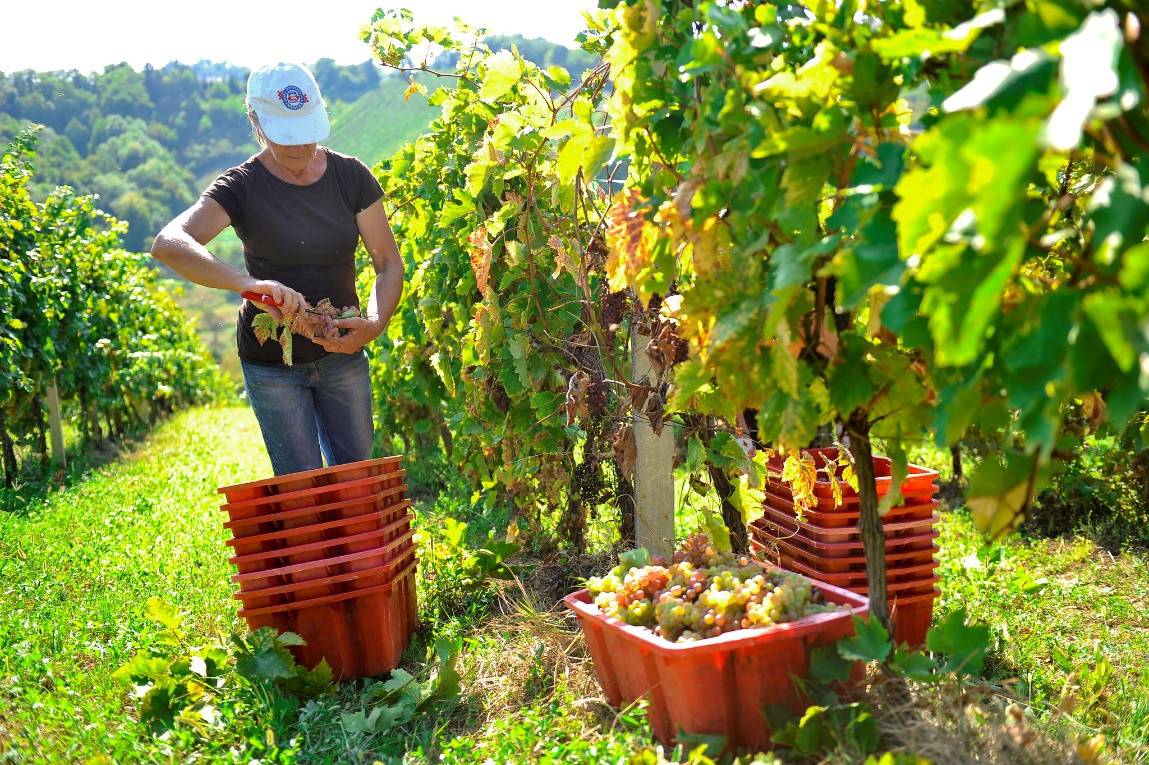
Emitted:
<point x="86" y="317"/>
<point x="701" y="593"/>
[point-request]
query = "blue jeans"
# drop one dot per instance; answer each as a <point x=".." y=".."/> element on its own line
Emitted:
<point x="313" y="410"/>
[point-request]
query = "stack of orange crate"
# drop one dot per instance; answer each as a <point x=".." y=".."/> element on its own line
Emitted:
<point x="827" y="544"/>
<point x="328" y="554"/>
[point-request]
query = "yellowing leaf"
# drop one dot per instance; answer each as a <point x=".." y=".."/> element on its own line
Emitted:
<point x="562" y="258"/>
<point x="265" y="326"/>
<point x="999" y="494"/>
<point x="414" y="87"/>
<point x="480" y="251"/>
<point x="850" y="476"/>
<point x="705" y="247"/>
<point x="996" y="516"/>
<point x="801" y="472"/>
<point x="628" y="241"/>
<point x="831" y="471"/>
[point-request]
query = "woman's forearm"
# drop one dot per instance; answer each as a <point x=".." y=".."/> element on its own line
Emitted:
<point x="385" y="294"/>
<point x="191" y="260"/>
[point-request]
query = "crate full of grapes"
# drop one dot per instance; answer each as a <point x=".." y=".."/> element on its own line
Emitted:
<point x="709" y="639"/>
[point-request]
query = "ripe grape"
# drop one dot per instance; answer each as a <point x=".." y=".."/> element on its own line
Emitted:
<point x="702" y="593"/>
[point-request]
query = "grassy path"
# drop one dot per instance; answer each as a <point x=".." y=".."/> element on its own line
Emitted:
<point x="1070" y="625"/>
<point x="77" y="567"/>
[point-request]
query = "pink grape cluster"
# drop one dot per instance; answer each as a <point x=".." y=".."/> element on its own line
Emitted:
<point x="703" y="593"/>
<point x="318" y="323"/>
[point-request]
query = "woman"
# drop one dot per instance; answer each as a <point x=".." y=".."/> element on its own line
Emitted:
<point x="300" y="210"/>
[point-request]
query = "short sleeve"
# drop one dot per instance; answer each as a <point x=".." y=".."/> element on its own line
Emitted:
<point x="229" y="191"/>
<point x="368" y="191"/>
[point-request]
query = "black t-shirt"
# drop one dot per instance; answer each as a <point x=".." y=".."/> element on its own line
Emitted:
<point x="301" y="236"/>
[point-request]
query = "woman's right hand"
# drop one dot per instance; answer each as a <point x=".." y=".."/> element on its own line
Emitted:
<point x="290" y="301"/>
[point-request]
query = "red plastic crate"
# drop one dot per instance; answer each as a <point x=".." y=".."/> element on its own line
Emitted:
<point x="298" y="498"/>
<point x="345" y="582"/>
<point x="915" y="508"/>
<point x="852" y="579"/>
<point x="360" y="632"/>
<point x="912" y="616"/>
<point x="911" y="584"/>
<point x="893" y="530"/>
<point x="918" y="479"/>
<point x="328" y="548"/>
<point x="275" y="523"/>
<point x="319" y="477"/>
<point x="767" y="532"/>
<point x="716" y="686"/>
<point x="781" y="497"/>
<point x="911" y="611"/>
<point x="894" y="560"/>
<point x="331" y="529"/>
<point x="316" y="570"/>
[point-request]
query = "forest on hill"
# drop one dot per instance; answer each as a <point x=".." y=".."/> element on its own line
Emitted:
<point x="147" y="142"/>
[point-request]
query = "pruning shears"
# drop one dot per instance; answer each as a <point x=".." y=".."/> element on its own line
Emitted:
<point x="269" y="300"/>
<point x="260" y="298"/>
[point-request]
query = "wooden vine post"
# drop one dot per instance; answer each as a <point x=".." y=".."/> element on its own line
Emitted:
<point x="654" y="466"/>
<point x="56" y="426"/>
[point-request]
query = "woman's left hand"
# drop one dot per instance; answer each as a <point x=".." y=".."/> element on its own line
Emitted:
<point x="359" y="332"/>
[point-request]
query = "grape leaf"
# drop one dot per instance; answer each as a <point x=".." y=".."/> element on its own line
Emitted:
<point x="164" y="613"/>
<point x="286" y="342"/>
<point x="914" y="665"/>
<point x="998" y="492"/>
<point x="503" y="71"/>
<point x="870" y="641"/>
<point x="265" y="326"/>
<point x="828" y="665"/>
<point x="964" y="644"/>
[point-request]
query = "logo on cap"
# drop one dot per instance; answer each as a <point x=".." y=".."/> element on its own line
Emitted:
<point x="292" y="97"/>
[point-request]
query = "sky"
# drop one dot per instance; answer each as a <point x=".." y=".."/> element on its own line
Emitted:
<point x="89" y="34"/>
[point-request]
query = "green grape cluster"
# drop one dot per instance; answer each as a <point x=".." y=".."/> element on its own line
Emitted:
<point x="702" y="593"/>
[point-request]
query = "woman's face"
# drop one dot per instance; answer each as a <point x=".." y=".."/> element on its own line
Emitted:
<point x="295" y="157"/>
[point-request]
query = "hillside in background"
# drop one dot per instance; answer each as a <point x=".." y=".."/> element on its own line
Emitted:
<point x="149" y="142"/>
<point x="374" y="126"/>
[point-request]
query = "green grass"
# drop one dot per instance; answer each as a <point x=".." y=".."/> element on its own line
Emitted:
<point x="1070" y="625"/>
<point x="77" y="565"/>
<point x="375" y="125"/>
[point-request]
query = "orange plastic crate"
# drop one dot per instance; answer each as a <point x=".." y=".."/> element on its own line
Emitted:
<point x="767" y="532"/>
<point x="328" y="548"/>
<point x="919" y="480"/>
<point x="717" y="686"/>
<point x="308" y="496"/>
<point x="359" y="632"/>
<point x="362" y="579"/>
<point x="915" y="508"/>
<point x="911" y="584"/>
<point x="893" y="530"/>
<point x="319" y="477"/>
<point x="315" y="571"/>
<point x="278" y="523"/>
<point x="329" y="529"/>
<point x="850" y="503"/>
<point x="894" y="560"/>
<point x="912" y="616"/>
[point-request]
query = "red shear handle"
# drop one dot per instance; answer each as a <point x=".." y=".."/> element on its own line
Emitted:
<point x="257" y="297"/>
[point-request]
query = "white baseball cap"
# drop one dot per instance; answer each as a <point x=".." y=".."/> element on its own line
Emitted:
<point x="286" y="99"/>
